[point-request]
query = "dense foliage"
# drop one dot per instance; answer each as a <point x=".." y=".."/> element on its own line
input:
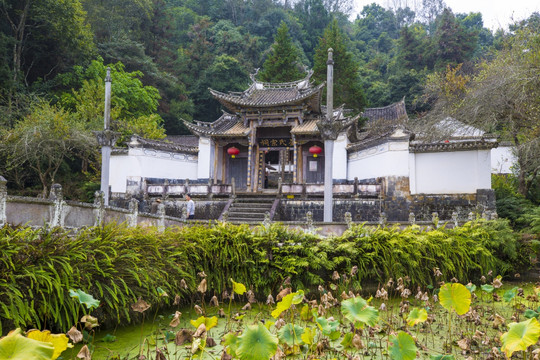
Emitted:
<point x="119" y="265"/>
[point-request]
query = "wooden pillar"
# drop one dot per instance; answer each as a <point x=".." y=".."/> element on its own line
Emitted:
<point x="295" y="162"/>
<point x="256" y="182"/>
<point x="300" y="165"/>
<point x="216" y="155"/>
<point x="250" y="153"/>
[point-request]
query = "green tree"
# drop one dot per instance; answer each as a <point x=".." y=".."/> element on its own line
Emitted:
<point x="43" y="141"/>
<point x="133" y="105"/>
<point x="347" y="85"/>
<point x="452" y="43"/>
<point x="282" y="65"/>
<point x="46" y="37"/>
<point x="504" y="98"/>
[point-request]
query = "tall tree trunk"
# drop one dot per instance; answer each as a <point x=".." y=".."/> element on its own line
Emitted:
<point x="18" y="28"/>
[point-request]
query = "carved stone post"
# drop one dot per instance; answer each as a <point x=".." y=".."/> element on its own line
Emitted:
<point x="133" y="212"/>
<point x="412" y="218"/>
<point x="3" y="201"/>
<point x="455" y="218"/>
<point x="99" y="208"/>
<point x="435" y="219"/>
<point x="161" y="221"/>
<point x="383" y="219"/>
<point x="348" y="219"/>
<point x="57" y="216"/>
<point x="309" y="222"/>
<point x="267" y="222"/>
<point x="225" y="216"/>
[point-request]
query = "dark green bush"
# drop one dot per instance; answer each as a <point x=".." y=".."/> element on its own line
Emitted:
<point x="117" y="265"/>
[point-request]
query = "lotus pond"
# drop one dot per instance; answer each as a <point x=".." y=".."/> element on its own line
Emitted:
<point x="488" y="321"/>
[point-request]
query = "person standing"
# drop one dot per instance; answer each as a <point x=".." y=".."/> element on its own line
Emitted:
<point x="190" y="207"/>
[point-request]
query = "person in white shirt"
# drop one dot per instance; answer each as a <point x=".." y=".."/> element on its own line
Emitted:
<point x="190" y="207"/>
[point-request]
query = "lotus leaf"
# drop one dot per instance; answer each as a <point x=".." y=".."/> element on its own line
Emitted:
<point x="309" y="335"/>
<point x="60" y="342"/>
<point x="208" y="322"/>
<point x="327" y="327"/>
<point x="402" y="347"/>
<point x="347" y="340"/>
<point x="520" y="336"/>
<point x="509" y="295"/>
<point x="487" y="288"/>
<point x="238" y="287"/>
<point x="357" y="309"/>
<point x="256" y="343"/>
<point x="530" y="314"/>
<point x="231" y="342"/>
<point x="455" y="297"/>
<point x="417" y="316"/>
<point x="14" y="346"/>
<point x="84" y="298"/>
<point x="284" y="305"/>
<point x="291" y="335"/>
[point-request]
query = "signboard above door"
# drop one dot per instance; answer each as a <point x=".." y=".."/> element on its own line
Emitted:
<point x="275" y="142"/>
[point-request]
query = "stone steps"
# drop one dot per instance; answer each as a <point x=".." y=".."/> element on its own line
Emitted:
<point x="250" y="208"/>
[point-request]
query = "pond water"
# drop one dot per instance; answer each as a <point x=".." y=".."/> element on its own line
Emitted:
<point x="479" y="331"/>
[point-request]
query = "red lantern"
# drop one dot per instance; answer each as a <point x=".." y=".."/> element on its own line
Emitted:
<point x="233" y="151"/>
<point x="315" y="150"/>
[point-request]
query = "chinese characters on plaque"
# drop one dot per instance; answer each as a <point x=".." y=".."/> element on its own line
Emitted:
<point x="276" y="142"/>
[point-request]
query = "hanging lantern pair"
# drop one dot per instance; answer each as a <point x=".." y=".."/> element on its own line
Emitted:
<point x="233" y="151"/>
<point x="315" y="150"/>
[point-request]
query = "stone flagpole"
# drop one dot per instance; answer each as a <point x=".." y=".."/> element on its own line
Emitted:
<point x="106" y="139"/>
<point x="329" y="140"/>
<point x="330" y="127"/>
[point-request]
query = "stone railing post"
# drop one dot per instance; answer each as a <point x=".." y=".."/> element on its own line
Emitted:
<point x="184" y="213"/>
<point x="309" y="222"/>
<point x="383" y="219"/>
<point x="225" y="216"/>
<point x="435" y="219"/>
<point x="412" y="218"/>
<point x="161" y="221"/>
<point x="165" y="194"/>
<point x="3" y="201"/>
<point x="99" y="208"/>
<point x="267" y="222"/>
<point x="57" y="216"/>
<point x="348" y="219"/>
<point x="455" y="218"/>
<point x="133" y="212"/>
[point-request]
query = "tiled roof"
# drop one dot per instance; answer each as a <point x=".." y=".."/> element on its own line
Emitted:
<point x="393" y="113"/>
<point x="453" y="145"/>
<point x="369" y="139"/>
<point x="226" y="125"/>
<point x="137" y="141"/>
<point x="262" y="94"/>
<point x="308" y="127"/>
<point x="185" y="140"/>
<point x="259" y="95"/>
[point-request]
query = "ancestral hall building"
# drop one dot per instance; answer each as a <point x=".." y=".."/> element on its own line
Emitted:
<point x="267" y="140"/>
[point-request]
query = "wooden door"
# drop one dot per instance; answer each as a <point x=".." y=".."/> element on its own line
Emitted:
<point x="237" y="169"/>
<point x="314" y="169"/>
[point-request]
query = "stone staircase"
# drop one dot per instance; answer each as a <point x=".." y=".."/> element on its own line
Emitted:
<point x="247" y="208"/>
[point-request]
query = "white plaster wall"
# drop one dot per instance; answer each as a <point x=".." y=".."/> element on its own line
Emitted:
<point x="141" y="162"/>
<point x="205" y="157"/>
<point x="388" y="159"/>
<point x="502" y="159"/>
<point x="459" y="172"/>
<point x="339" y="160"/>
